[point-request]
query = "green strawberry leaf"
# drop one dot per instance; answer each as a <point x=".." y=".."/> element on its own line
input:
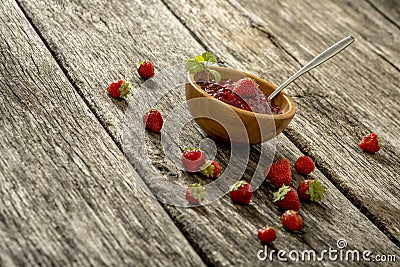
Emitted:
<point x="207" y="169"/>
<point x="316" y="191"/>
<point x="124" y="89"/>
<point x="199" y="58"/>
<point x="280" y="194"/>
<point x="197" y="192"/>
<point x="209" y="57"/>
<point x="237" y="185"/>
<point x="192" y="66"/>
<point x="191" y="148"/>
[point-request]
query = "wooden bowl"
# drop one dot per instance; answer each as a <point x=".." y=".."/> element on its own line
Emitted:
<point x="226" y="123"/>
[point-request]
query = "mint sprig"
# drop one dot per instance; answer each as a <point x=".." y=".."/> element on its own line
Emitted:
<point x="200" y="63"/>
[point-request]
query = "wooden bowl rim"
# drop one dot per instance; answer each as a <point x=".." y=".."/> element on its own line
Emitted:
<point x="290" y="113"/>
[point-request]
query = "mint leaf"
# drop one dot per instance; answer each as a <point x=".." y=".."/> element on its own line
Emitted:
<point x="193" y="66"/>
<point x="199" y="58"/>
<point x="208" y="56"/>
<point x="216" y="74"/>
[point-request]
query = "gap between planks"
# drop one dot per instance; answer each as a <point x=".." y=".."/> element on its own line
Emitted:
<point x="291" y="134"/>
<point x="53" y="54"/>
<point x="291" y="137"/>
<point x="93" y="110"/>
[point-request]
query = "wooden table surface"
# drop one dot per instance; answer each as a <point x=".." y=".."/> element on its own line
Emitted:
<point x="68" y="194"/>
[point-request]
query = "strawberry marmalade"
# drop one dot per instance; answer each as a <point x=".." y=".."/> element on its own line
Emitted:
<point x="223" y="91"/>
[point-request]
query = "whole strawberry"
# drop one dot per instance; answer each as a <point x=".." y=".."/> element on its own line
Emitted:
<point x="287" y="199"/>
<point x="210" y="169"/>
<point x="192" y="159"/>
<point x="279" y="173"/>
<point x="311" y="190"/>
<point x="370" y="143"/>
<point x="245" y="87"/>
<point x="241" y="192"/>
<point x="119" y="89"/>
<point x="195" y="193"/>
<point x="266" y="234"/>
<point x="145" y="69"/>
<point x="292" y="220"/>
<point x="153" y="120"/>
<point x="304" y="165"/>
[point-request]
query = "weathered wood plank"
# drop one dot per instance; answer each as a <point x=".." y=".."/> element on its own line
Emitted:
<point x="222" y="233"/>
<point x="372" y="104"/>
<point x="390" y="9"/>
<point x="67" y="195"/>
<point x="112" y="38"/>
<point x="274" y="38"/>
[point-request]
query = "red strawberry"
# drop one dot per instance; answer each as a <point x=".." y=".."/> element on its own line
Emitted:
<point x="304" y="165"/>
<point x="145" y="69"/>
<point x="241" y="192"/>
<point x="266" y="234"/>
<point x="279" y="173"/>
<point x="211" y="169"/>
<point x="287" y="199"/>
<point x="119" y="89"/>
<point x="245" y="87"/>
<point x="192" y="159"/>
<point x="311" y="190"/>
<point x="292" y="220"/>
<point x="370" y="143"/>
<point x="195" y="193"/>
<point x="153" y="120"/>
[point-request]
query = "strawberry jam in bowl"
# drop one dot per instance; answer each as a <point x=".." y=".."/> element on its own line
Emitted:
<point x="243" y="94"/>
<point x="236" y="109"/>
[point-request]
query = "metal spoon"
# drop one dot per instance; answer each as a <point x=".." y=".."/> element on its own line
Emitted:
<point x="324" y="56"/>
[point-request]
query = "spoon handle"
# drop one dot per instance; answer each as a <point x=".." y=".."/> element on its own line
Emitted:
<point x="327" y="54"/>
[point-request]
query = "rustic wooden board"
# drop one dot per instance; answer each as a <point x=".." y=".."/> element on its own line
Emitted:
<point x="222" y="233"/>
<point x="274" y="38"/>
<point x="390" y="9"/>
<point x="374" y="71"/>
<point x="112" y="39"/>
<point x="68" y="196"/>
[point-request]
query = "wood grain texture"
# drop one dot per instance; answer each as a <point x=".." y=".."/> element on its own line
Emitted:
<point x="67" y="195"/>
<point x="372" y="104"/>
<point x="110" y="37"/>
<point x="390" y="9"/>
<point x="355" y="93"/>
<point x="222" y="233"/>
